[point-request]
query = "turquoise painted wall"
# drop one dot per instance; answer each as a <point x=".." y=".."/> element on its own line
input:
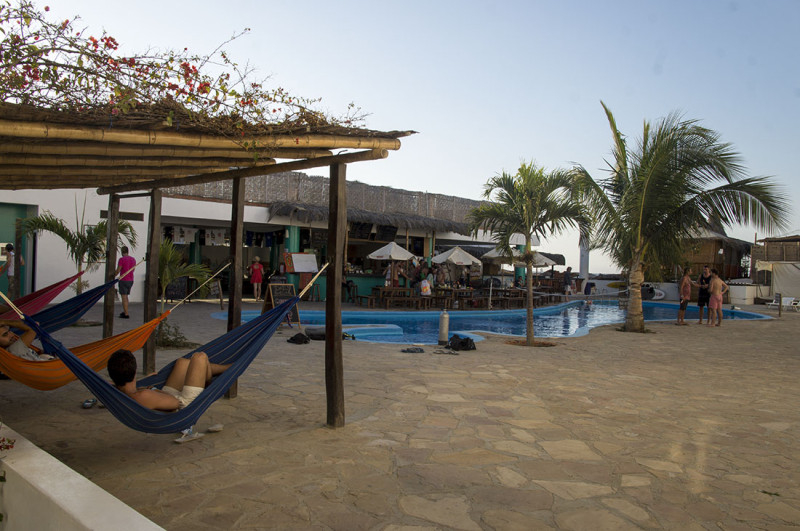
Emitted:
<point x="8" y="215"/>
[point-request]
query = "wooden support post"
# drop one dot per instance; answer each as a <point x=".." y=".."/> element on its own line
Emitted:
<point x="17" y="288"/>
<point x="236" y="270"/>
<point x="337" y="225"/>
<point x="151" y="278"/>
<point x="111" y="263"/>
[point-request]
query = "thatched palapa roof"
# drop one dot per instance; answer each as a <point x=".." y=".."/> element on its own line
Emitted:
<point x="307" y="213"/>
<point x="162" y="145"/>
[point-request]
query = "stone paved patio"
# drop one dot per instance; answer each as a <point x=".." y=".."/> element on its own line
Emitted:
<point x="682" y="428"/>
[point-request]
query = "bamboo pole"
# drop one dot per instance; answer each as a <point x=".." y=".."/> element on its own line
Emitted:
<point x="52" y="131"/>
<point x="358" y="156"/>
<point x="49" y="171"/>
<point x="55" y="160"/>
<point x="127" y="150"/>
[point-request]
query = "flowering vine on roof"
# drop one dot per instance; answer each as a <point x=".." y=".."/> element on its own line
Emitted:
<point x="56" y="65"/>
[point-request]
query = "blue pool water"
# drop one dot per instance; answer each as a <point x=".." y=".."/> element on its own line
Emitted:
<point x="565" y="320"/>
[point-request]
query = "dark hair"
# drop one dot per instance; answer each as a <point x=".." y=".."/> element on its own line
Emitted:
<point x="9" y="247"/>
<point x="124" y="249"/>
<point x="714" y="271"/>
<point x="122" y="367"/>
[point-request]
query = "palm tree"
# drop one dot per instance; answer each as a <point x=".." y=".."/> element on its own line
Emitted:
<point x="86" y="245"/>
<point x="172" y="265"/>
<point x="530" y="203"/>
<point x="678" y="179"/>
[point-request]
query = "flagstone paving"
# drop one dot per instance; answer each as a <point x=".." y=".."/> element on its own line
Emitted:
<point x="681" y="428"/>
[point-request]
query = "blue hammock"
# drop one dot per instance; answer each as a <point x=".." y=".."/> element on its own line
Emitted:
<point x="239" y="347"/>
<point x="68" y="312"/>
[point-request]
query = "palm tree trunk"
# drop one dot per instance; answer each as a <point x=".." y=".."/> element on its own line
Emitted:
<point x="79" y="285"/>
<point x="634" y="321"/>
<point x="529" y="337"/>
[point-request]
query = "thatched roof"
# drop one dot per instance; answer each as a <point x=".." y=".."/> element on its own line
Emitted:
<point x="708" y="234"/>
<point x="786" y="239"/>
<point x="307" y="213"/>
<point x="162" y="145"/>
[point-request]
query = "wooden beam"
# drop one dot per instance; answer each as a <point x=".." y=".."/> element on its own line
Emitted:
<point x="137" y="162"/>
<point x="103" y="172"/>
<point x="111" y="263"/>
<point x="99" y="149"/>
<point x="151" y="278"/>
<point x="237" y="268"/>
<point x="337" y="224"/>
<point x="346" y="158"/>
<point x="51" y="131"/>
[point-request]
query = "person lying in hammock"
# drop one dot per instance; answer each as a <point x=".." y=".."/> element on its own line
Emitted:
<point x="185" y="383"/>
<point x="20" y="346"/>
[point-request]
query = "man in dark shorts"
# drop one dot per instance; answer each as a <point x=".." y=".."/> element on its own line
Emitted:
<point x="125" y="266"/>
<point x="703" y="295"/>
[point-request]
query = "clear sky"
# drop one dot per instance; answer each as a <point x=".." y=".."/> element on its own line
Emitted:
<point x="488" y="84"/>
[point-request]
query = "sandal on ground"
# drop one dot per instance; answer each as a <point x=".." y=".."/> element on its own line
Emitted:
<point x="88" y="403"/>
<point x="413" y="350"/>
<point x="445" y="351"/>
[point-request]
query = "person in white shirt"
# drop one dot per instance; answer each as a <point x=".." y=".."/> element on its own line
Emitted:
<point x="20" y="346"/>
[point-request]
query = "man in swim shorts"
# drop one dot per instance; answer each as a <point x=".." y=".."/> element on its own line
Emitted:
<point x="702" y="293"/>
<point x="185" y="383"/>
<point x="686" y="294"/>
<point x="717" y="288"/>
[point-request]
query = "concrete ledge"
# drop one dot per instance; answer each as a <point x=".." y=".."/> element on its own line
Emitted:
<point x="40" y="492"/>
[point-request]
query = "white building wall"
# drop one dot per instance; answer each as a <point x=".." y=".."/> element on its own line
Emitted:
<point x="53" y="262"/>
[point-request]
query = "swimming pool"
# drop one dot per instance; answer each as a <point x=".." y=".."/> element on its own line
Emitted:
<point x="565" y="320"/>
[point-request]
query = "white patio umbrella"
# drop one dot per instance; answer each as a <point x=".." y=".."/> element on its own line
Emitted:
<point x="455" y="256"/>
<point x="391" y="251"/>
<point x="539" y="260"/>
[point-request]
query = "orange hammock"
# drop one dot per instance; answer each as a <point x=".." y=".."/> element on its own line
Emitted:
<point x="52" y="374"/>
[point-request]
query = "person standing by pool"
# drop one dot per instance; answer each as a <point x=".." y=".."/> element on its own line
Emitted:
<point x="702" y="294"/>
<point x="569" y="284"/>
<point x="717" y="288"/>
<point x="256" y="271"/>
<point x="685" y="290"/>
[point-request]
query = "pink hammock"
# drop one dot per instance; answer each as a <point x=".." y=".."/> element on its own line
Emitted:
<point x="34" y="302"/>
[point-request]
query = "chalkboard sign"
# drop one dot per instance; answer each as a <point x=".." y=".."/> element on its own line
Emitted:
<point x="279" y="293"/>
<point x="386" y="233"/>
<point x="360" y="230"/>
<point x="215" y="292"/>
<point x="177" y="289"/>
<point x="319" y="238"/>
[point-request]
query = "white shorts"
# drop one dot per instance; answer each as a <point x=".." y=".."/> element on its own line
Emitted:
<point x="186" y="396"/>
